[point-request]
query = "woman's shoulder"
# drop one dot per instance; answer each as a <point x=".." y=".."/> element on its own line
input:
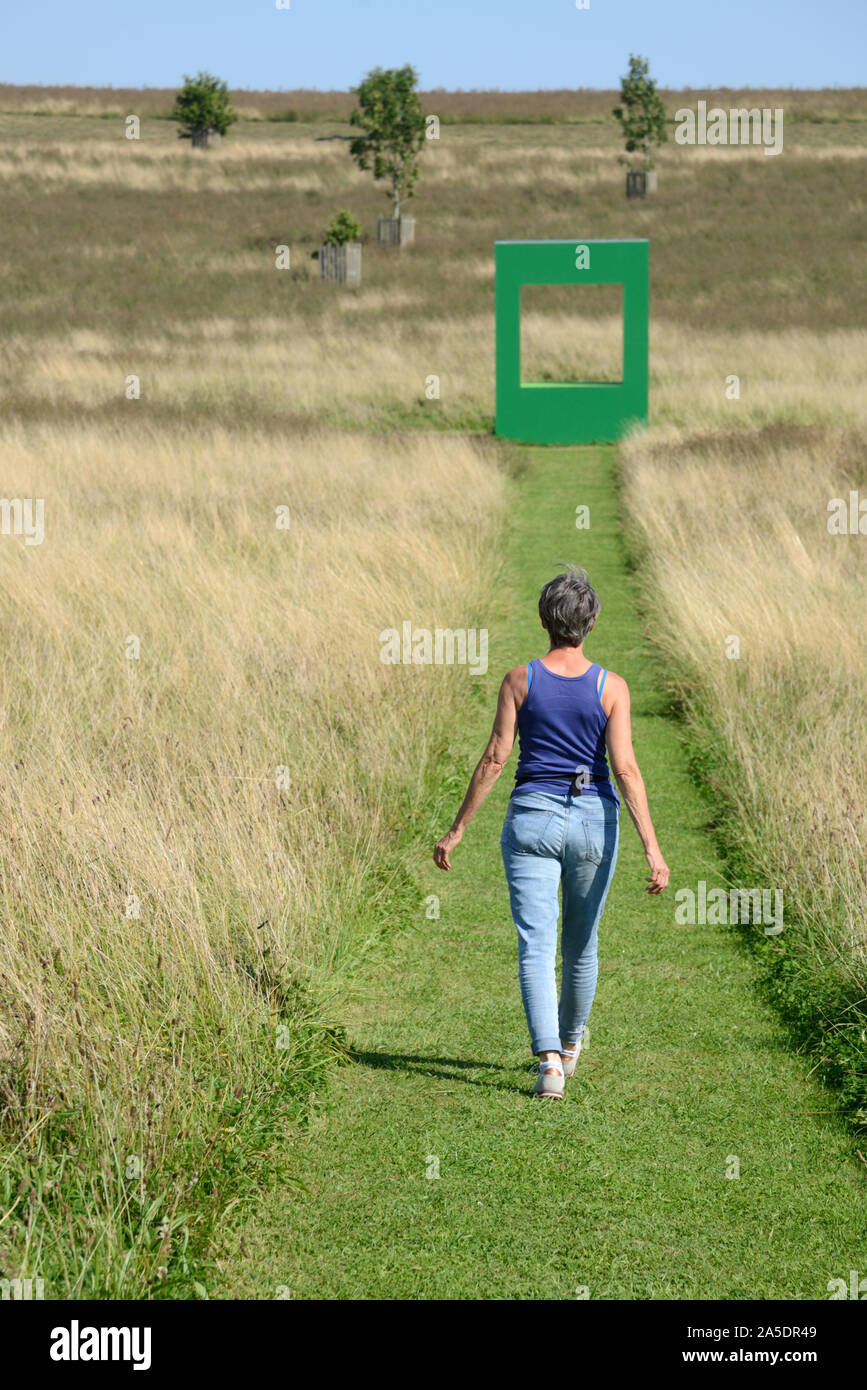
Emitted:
<point x="615" y="686"/>
<point x="518" y="682"/>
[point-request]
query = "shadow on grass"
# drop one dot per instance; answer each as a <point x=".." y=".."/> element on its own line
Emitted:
<point x="446" y="1068"/>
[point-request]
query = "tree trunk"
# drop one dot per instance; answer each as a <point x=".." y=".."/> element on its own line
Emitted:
<point x="396" y="196"/>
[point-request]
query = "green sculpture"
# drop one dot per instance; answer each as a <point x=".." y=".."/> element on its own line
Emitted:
<point x="571" y="412"/>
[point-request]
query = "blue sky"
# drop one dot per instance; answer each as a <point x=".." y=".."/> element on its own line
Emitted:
<point x="511" y="44"/>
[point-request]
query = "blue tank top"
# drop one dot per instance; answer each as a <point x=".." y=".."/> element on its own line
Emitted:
<point x="561" y="727"/>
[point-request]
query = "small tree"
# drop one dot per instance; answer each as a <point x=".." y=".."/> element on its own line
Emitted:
<point x="389" y="112"/>
<point x="203" y="104"/>
<point x="343" y="228"/>
<point x="643" y="119"/>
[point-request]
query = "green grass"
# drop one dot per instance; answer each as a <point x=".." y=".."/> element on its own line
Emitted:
<point x="622" y="1188"/>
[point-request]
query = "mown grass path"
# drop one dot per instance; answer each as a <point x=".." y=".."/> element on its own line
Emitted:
<point x="622" y="1188"/>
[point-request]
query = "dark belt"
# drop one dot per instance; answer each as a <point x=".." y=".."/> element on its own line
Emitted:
<point x="528" y="781"/>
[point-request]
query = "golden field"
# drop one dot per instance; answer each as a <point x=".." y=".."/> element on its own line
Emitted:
<point x="180" y="917"/>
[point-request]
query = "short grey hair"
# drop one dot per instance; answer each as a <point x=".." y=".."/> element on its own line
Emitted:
<point x="569" y="606"/>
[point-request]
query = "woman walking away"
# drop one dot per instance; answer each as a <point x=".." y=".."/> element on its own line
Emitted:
<point x="562" y="824"/>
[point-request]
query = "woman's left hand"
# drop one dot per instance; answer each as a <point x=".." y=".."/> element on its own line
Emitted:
<point x="443" y="848"/>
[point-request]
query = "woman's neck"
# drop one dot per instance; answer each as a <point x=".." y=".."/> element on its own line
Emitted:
<point x="567" y="661"/>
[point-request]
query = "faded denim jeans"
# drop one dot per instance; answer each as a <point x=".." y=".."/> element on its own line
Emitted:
<point x="549" y="841"/>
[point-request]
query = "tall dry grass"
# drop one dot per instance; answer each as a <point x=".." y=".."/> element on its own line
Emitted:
<point x="206" y="768"/>
<point x="759" y="612"/>
<point x="365" y="365"/>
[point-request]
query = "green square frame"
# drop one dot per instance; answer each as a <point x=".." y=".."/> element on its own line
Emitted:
<point x="571" y="412"/>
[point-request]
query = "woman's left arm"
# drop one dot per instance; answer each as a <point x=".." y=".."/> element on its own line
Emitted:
<point x="513" y="693"/>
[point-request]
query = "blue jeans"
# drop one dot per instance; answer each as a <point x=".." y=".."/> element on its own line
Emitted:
<point x="550" y="840"/>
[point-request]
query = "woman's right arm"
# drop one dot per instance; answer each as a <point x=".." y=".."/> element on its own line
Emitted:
<point x="618" y="738"/>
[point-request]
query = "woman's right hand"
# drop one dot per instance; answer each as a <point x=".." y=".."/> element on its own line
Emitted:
<point x="657" y="879"/>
